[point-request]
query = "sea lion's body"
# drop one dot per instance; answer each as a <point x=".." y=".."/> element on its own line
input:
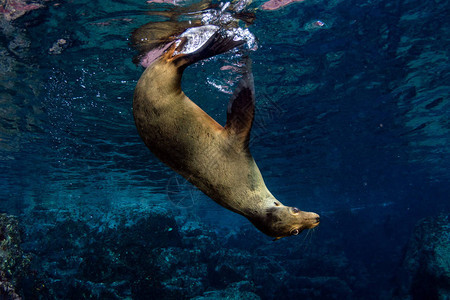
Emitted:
<point x="188" y="140"/>
<point x="214" y="158"/>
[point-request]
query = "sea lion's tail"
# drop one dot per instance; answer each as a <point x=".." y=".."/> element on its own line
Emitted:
<point x="218" y="43"/>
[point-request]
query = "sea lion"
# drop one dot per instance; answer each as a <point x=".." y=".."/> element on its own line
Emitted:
<point x="215" y="159"/>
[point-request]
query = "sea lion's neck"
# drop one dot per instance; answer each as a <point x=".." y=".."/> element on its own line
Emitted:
<point x="163" y="76"/>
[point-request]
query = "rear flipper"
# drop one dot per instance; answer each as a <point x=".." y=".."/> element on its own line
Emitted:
<point x="154" y="37"/>
<point x="189" y="51"/>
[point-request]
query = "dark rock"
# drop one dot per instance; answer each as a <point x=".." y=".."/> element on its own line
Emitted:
<point x="237" y="291"/>
<point x="14" y="264"/>
<point x="319" y="288"/>
<point x="151" y="288"/>
<point x="425" y="272"/>
<point x="252" y="237"/>
<point x="146" y="255"/>
<point x="198" y="235"/>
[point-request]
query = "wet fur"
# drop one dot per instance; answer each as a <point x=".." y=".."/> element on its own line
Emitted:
<point x="215" y="159"/>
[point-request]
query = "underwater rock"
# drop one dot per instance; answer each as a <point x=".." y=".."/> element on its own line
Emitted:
<point x="277" y="4"/>
<point x="58" y="46"/>
<point x="13" y="9"/>
<point x="147" y="255"/>
<point x="104" y="256"/>
<point x="237" y="291"/>
<point x="198" y="235"/>
<point x="14" y="264"/>
<point x="318" y="288"/>
<point x="425" y="272"/>
<point x="234" y="239"/>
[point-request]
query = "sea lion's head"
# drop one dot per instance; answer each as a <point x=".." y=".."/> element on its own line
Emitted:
<point x="280" y="221"/>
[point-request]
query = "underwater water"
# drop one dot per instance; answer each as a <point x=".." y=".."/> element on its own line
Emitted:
<point x="352" y="122"/>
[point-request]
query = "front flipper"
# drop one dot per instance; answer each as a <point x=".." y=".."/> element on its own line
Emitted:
<point x="241" y="109"/>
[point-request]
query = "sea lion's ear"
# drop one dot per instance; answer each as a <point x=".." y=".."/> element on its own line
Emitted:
<point x="241" y="109"/>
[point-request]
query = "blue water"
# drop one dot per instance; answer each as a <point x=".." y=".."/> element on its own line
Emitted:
<point x="352" y="123"/>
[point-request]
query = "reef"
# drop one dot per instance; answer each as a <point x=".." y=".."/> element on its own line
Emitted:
<point x="150" y="255"/>
<point x="142" y="254"/>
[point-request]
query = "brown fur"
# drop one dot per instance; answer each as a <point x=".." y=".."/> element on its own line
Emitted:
<point x="215" y="159"/>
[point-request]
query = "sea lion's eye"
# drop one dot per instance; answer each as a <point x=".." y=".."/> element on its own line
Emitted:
<point x="295" y="210"/>
<point x="294" y="232"/>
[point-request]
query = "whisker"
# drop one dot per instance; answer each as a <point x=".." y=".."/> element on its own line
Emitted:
<point x="304" y="242"/>
<point x="328" y="216"/>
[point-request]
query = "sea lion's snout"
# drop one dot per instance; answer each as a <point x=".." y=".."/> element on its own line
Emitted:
<point x="304" y="220"/>
<point x="315" y="220"/>
<point x="282" y="221"/>
<point x="307" y="220"/>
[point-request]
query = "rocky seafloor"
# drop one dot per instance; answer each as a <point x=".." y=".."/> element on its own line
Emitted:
<point x="145" y="255"/>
